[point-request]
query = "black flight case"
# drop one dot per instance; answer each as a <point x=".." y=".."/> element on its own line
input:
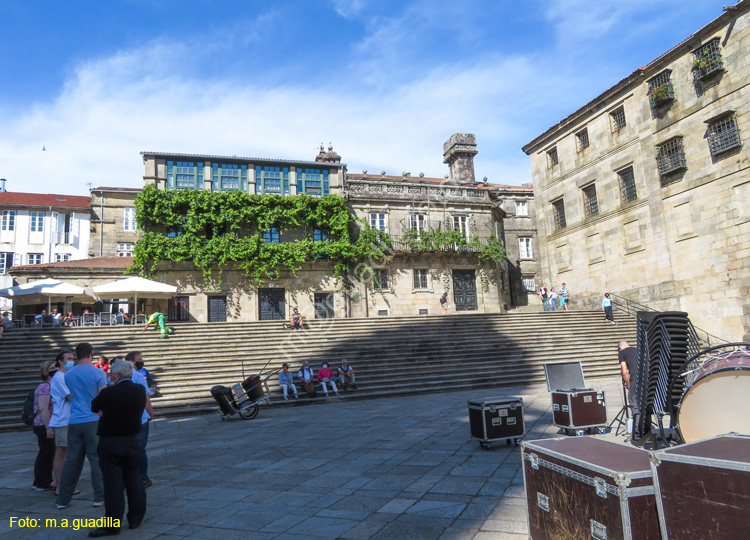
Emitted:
<point x="497" y="419"/>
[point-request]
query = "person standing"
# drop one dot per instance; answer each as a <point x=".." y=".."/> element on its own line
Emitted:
<point x="121" y="407"/>
<point x="346" y="374"/>
<point x="543" y="296"/>
<point x="552" y="299"/>
<point x="85" y="382"/>
<point x="564" y="295"/>
<point x="307" y="379"/>
<point x="161" y="320"/>
<point x="45" y="435"/>
<point x="628" y="358"/>
<point x="444" y="303"/>
<point x="135" y="357"/>
<point x="60" y="395"/>
<point x="607" y="308"/>
<point x="286" y="381"/>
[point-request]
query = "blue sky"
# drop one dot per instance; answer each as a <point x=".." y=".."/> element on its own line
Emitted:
<point x="387" y="82"/>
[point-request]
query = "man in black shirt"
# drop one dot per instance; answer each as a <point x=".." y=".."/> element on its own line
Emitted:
<point x="628" y="357"/>
<point x="120" y="407"/>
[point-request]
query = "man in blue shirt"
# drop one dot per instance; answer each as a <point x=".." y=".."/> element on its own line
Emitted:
<point x="134" y="358"/>
<point x="286" y="381"/>
<point x="84" y="382"/>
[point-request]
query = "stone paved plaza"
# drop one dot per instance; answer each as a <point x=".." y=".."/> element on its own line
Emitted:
<point x="394" y="468"/>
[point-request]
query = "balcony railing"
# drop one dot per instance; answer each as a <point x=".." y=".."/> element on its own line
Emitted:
<point x="409" y="244"/>
<point x="63" y="237"/>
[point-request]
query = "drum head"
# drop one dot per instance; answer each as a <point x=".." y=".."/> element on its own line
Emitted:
<point x="716" y="404"/>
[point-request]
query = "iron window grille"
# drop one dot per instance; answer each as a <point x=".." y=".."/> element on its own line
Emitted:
<point x="707" y="60"/>
<point x="660" y="89"/>
<point x="627" y="185"/>
<point x="590" y="203"/>
<point x="618" y="119"/>
<point x="528" y="284"/>
<point x="723" y="135"/>
<point x="558" y="212"/>
<point x="552" y="159"/>
<point x="420" y="278"/>
<point x="670" y="156"/>
<point x="381" y="278"/>
<point x="582" y="139"/>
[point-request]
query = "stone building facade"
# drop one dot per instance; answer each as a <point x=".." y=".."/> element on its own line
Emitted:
<point x="113" y="229"/>
<point x="645" y="191"/>
<point x="406" y="283"/>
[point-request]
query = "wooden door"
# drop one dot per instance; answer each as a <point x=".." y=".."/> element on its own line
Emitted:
<point x="464" y="290"/>
<point x="271" y="303"/>
<point x="217" y="309"/>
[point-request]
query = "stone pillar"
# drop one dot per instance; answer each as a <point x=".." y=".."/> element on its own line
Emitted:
<point x="458" y="153"/>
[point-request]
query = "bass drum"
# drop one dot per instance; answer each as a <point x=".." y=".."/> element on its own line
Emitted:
<point x="716" y="399"/>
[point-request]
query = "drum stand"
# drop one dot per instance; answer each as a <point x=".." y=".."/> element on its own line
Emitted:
<point x="623" y="416"/>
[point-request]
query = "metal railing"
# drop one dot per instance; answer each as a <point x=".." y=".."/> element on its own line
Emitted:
<point x="632" y="308"/>
<point x="410" y="244"/>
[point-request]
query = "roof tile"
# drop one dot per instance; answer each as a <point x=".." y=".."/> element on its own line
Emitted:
<point x="8" y="198"/>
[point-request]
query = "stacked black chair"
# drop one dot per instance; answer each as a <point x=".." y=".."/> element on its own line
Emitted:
<point x="665" y="341"/>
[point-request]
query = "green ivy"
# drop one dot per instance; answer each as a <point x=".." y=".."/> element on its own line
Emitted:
<point x="438" y="240"/>
<point x="216" y="231"/>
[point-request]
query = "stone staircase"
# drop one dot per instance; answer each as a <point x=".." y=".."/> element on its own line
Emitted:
<point x="391" y="355"/>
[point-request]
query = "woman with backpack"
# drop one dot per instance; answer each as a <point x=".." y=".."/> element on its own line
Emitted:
<point x="45" y="435"/>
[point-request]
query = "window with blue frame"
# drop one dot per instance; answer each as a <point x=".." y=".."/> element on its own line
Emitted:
<point x="271" y="236"/>
<point x="313" y="182"/>
<point x="271" y="180"/>
<point x="319" y="236"/>
<point x="184" y="175"/>
<point x="228" y="177"/>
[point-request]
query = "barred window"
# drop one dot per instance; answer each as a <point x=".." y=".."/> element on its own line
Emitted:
<point x="670" y="156"/>
<point x="582" y="139"/>
<point x="627" y="185"/>
<point x="528" y="284"/>
<point x="420" y="278"/>
<point x="618" y="119"/>
<point x="723" y="135"/>
<point x="590" y="204"/>
<point x="707" y="60"/>
<point x="552" y="157"/>
<point x="558" y="212"/>
<point x="660" y="89"/>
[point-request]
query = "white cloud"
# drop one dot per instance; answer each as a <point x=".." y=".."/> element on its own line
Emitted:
<point x="349" y="8"/>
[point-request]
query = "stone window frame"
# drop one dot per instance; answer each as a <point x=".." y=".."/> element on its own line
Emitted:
<point x="558" y="213"/>
<point x="626" y="180"/>
<point x="420" y="276"/>
<point x="385" y="220"/>
<point x="522" y="204"/>
<point x="582" y="140"/>
<point x="34" y="258"/>
<point x="414" y="222"/>
<point x="618" y="119"/>
<point x="525" y="248"/>
<point x="723" y="133"/>
<point x="590" y="200"/>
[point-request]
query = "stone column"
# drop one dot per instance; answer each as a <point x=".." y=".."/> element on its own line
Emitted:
<point x="458" y="153"/>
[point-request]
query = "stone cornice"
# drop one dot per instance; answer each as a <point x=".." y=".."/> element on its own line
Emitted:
<point x="376" y="189"/>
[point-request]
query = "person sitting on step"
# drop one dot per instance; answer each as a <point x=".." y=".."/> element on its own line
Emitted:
<point x="296" y="319"/>
<point x="346" y="375"/>
<point x="325" y="376"/>
<point x="307" y="379"/>
<point x="286" y="381"/>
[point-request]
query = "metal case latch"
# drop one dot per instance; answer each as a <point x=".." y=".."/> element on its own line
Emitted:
<point x="598" y="530"/>
<point x="534" y="461"/>
<point x="542" y="501"/>
<point x="601" y="488"/>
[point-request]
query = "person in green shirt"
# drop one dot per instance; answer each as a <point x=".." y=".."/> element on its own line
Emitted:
<point x="161" y="320"/>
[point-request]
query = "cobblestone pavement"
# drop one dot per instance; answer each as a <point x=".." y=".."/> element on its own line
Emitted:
<point x="404" y="467"/>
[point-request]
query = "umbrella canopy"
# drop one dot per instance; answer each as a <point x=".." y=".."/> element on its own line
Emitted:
<point x="135" y="286"/>
<point x="47" y="289"/>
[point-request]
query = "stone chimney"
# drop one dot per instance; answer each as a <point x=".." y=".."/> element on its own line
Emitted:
<point x="458" y="153"/>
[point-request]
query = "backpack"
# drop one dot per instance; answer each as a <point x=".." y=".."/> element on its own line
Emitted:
<point x="28" y="415"/>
